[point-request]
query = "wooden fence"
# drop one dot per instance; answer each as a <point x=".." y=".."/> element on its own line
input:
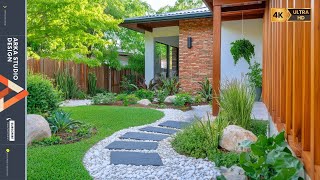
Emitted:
<point x="107" y="78"/>
<point x="291" y="80"/>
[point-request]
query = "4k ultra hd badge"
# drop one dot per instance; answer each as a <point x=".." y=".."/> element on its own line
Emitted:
<point x="290" y="14"/>
<point x="12" y="89"/>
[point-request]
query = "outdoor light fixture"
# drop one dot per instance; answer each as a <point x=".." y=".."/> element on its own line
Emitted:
<point x="189" y="42"/>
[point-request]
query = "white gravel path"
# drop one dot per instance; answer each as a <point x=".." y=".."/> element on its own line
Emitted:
<point x="73" y="103"/>
<point x="97" y="159"/>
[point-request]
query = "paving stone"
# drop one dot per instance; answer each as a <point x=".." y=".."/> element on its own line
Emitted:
<point x="159" y="130"/>
<point x="174" y="124"/>
<point x="128" y="145"/>
<point x="143" y="136"/>
<point x="135" y="158"/>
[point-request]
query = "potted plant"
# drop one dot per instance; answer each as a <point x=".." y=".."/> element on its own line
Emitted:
<point x="242" y="48"/>
<point x="255" y="79"/>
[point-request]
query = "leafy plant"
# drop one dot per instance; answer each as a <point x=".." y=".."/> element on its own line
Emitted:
<point x="67" y="85"/>
<point x="131" y="99"/>
<point x="259" y="127"/>
<point x="182" y="99"/>
<point x="145" y="94"/>
<point x="128" y="85"/>
<point x="242" y="48"/>
<point x="61" y="121"/>
<point x="161" y="96"/>
<point x="53" y="140"/>
<point x="255" y="75"/>
<point x="170" y="85"/>
<point x="43" y="97"/>
<point x="221" y="158"/>
<point x="206" y="90"/>
<point x="198" y="99"/>
<point x="121" y="97"/>
<point x="92" y="84"/>
<point x="270" y="158"/>
<point x="236" y="102"/>
<point x="107" y="98"/>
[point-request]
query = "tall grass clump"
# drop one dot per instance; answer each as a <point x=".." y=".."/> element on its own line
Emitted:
<point x="92" y="84"/>
<point x="67" y="85"/>
<point x="236" y="102"/>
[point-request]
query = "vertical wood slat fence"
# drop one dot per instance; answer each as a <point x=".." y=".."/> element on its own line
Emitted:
<point x="291" y="72"/>
<point x="107" y="78"/>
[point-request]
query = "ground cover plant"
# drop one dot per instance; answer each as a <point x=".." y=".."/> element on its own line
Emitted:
<point x="104" y="98"/>
<point x="43" y="96"/>
<point x="67" y="158"/>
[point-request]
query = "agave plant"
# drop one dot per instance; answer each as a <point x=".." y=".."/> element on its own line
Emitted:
<point x="61" y="121"/>
<point x="206" y="90"/>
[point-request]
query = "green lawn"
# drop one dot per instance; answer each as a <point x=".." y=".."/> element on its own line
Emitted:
<point x="65" y="161"/>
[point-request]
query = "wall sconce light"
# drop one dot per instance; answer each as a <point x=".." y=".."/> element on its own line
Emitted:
<point x="189" y="42"/>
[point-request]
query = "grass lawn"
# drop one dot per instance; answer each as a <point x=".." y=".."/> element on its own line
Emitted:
<point x="65" y="161"/>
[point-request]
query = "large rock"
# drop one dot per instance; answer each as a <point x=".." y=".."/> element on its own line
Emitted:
<point x="37" y="128"/>
<point x="170" y="99"/>
<point x="234" y="173"/>
<point x="233" y="136"/>
<point x="144" y="102"/>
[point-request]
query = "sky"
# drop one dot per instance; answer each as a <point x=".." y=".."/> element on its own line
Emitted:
<point x="157" y="4"/>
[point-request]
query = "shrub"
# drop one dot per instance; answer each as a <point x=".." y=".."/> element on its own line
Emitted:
<point x="127" y="84"/>
<point x="259" y="127"/>
<point x="145" y="94"/>
<point x="182" y="99"/>
<point x="270" y="158"/>
<point x="61" y="121"/>
<point x="131" y="99"/>
<point x="92" y="84"/>
<point x="255" y="75"/>
<point x="161" y="96"/>
<point x="170" y="85"/>
<point x="206" y="90"/>
<point x="53" y="140"/>
<point x="67" y="85"/>
<point x="236" y="102"/>
<point x="43" y="97"/>
<point x="222" y="158"/>
<point x="107" y="98"/>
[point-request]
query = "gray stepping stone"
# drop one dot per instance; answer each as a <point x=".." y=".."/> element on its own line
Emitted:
<point x="143" y="136"/>
<point x="159" y="130"/>
<point x="128" y="145"/>
<point x="175" y="124"/>
<point x="135" y="158"/>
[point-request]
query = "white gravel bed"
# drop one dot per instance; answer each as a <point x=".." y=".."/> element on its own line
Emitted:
<point x="73" y="103"/>
<point x="175" y="166"/>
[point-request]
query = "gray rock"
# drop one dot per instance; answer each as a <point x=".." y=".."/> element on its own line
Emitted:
<point x="144" y="102"/>
<point x="170" y="99"/>
<point x="235" y="173"/>
<point x="233" y="136"/>
<point x="37" y="128"/>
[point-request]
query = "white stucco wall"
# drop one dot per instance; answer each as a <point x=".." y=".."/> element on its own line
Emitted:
<point x="231" y="31"/>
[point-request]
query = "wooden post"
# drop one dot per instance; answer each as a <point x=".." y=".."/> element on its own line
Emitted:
<point x="315" y="88"/>
<point x="216" y="57"/>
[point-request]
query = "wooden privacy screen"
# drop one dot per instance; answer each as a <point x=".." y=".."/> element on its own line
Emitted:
<point x="291" y="71"/>
<point x="107" y="78"/>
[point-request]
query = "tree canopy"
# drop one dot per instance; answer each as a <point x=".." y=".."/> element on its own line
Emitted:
<point x="182" y="5"/>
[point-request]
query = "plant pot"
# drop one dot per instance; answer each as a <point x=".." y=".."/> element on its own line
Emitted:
<point x="258" y="93"/>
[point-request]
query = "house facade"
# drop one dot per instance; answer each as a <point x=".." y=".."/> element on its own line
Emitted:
<point x="194" y="63"/>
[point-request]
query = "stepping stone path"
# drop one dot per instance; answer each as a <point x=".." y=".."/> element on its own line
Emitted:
<point x="146" y="141"/>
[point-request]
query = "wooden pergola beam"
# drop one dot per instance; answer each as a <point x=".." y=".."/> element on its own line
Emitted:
<point x="216" y="58"/>
<point x="144" y="27"/>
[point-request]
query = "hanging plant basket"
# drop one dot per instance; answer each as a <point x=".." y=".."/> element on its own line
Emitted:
<point x="242" y="48"/>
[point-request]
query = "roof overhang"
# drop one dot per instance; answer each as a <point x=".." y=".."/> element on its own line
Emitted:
<point x="231" y="10"/>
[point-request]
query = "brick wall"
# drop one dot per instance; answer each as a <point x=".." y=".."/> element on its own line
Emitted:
<point x="195" y="64"/>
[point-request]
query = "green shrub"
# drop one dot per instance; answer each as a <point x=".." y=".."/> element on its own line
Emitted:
<point x="182" y="99"/>
<point x="92" y="84"/>
<point x="101" y="91"/>
<point x="161" y="96"/>
<point x="206" y="90"/>
<point x="270" y="158"/>
<point x="170" y="85"/>
<point x="81" y="95"/>
<point x="107" y="98"/>
<point x="67" y="85"/>
<point x="128" y="85"/>
<point x="222" y="158"/>
<point x="131" y="99"/>
<point x="53" y="140"/>
<point x="145" y="94"/>
<point x="259" y="127"/>
<point x="236" y="102"/>
<point x="61" y="121"/>
<point x="121" y="97"/>
<point x="43" y="97"/>
<point x="198" y="99"/>
<point x="255" y="75"/>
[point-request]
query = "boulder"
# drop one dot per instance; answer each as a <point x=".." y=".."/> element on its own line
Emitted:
<point x="233" y="136"/>
<point x="170" y="99"/>
<point x="37" y="128"/>
<point x="144" y="102"/>
<point x="234" y="173"/>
